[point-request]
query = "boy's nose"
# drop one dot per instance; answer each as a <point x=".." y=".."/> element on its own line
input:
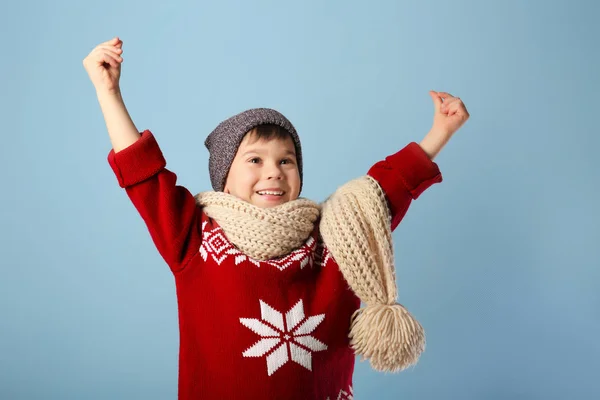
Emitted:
<point x="274" y="173"/>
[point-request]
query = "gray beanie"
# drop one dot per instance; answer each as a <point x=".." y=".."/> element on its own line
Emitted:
<point x="223" y="142"/>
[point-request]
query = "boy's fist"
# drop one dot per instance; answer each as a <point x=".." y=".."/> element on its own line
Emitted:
<point x="450" y="113"/>
<point x="103" y="65"/>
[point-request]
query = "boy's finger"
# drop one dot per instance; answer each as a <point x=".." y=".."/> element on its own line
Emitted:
<point x="114" y="49"/>
<point x="458" y="109"/>
<point x="111" y="41"/>
<point x="110" y="58"/>
<point x="445" y="95"/>
<point x="437" y="101"/>
<point x="101" y="52"/>
<point x="450" y="101"/>
<point x="110" y="61"/>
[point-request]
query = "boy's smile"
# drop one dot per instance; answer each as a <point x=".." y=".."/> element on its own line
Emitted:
<point x="264" y="172"/>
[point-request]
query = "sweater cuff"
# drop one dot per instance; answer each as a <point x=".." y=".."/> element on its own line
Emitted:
<point x="403" y="176"/>
<point x="416" y="170"/>
<point x="137" y="162"/>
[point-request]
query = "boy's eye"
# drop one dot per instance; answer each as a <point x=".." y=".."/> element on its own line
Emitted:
<point x="255" y="160"/>
<point x="286" y="161"/>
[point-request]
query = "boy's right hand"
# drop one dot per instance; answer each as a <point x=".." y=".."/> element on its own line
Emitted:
<point x="103" y="65"/>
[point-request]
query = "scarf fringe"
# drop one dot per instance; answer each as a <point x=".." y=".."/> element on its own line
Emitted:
<point x="388" y="336"/>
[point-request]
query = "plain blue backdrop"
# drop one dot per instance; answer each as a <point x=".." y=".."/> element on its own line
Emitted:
<point x="500" y="262"/>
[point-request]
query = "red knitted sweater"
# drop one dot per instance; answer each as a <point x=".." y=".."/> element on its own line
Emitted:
<point x="253" y="329"/>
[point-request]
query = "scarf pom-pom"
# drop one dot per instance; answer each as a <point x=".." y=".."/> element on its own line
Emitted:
<point x="388" y="336"/>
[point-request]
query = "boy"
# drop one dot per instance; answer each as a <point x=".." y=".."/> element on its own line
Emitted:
<point x="264" y="311"/>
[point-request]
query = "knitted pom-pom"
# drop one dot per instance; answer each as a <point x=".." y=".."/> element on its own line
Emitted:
<point x="388" y="336"/>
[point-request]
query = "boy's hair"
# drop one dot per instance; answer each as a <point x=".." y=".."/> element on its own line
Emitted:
<point x="268" y="132"/>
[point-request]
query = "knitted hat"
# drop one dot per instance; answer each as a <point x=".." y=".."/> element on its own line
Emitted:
<point x="223" y="142"/>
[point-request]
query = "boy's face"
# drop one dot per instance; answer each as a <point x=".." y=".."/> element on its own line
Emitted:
<point x="264" y="172"/>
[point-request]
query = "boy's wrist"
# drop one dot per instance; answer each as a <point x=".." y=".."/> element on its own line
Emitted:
<point x="109" y="94"/>
<point x="433" y="142"/>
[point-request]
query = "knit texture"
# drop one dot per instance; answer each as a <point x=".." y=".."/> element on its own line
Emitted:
<point x="355" y="225"/>
<point x="261" y="233"/>
<point x="223" y="142"/>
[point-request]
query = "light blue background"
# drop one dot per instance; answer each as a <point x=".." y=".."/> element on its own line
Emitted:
<point x="500" y="262"/>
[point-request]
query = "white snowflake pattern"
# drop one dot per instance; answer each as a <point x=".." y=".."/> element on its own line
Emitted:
<point x="344" y="395"/>
<point x="326" y="257"/>
<point x="216" y="244"/>
<point x="292" y="336"/>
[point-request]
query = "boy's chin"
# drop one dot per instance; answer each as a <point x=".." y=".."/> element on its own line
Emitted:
<point x="268" y="203"/>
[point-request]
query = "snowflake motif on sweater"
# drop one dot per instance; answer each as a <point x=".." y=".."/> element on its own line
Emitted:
<point x="293" y="339"/>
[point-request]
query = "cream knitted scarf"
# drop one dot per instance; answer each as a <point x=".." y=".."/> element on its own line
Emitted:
<point x="355" y="226"/>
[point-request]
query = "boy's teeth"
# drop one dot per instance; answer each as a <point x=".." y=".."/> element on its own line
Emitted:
<point x="272" y="193"/>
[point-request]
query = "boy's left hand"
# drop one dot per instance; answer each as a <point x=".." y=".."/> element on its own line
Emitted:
<point x="450" y="113"/>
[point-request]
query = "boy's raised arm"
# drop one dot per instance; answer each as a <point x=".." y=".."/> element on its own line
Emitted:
<point x="103" y="66"/>
<point x="121" y="129"/>
<point x="169" y="210"/>
<point x="406" y="174"/>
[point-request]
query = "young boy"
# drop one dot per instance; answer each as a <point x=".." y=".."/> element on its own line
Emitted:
<point x="260" y="318"/>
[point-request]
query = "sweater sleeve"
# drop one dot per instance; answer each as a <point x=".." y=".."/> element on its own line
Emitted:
<point x="403" y="176"/>
<point x="170" y="212"/>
